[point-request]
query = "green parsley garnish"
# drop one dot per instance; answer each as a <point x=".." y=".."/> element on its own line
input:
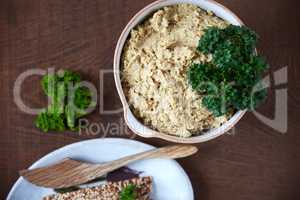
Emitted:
<point x="129" y="193"/>
<point x="233" y="79"/>
<point x="69" y="102"/>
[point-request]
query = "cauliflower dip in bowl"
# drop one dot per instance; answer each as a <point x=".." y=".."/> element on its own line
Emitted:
<point x="154" y="63"/>
<point x="151" y="61"/>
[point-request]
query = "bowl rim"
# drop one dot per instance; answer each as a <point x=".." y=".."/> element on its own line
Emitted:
<point x="128" y="115"/>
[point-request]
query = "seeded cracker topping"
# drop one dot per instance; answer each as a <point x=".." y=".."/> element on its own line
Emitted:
<point x="109" y="191"/>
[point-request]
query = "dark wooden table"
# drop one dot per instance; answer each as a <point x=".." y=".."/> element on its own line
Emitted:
<point x="257" y="163"/>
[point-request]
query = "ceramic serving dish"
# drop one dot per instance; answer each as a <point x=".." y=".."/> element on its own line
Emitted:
<point x="133" y="123"/>
<point x="164" y="172"/>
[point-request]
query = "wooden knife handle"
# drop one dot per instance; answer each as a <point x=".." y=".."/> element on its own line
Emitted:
<point x="170" y="152"/>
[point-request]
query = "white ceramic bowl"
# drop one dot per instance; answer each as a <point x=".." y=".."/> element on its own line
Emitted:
<point x="134" y="124"/>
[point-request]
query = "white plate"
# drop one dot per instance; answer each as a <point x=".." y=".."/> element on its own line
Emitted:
<point x="170" y="180"/>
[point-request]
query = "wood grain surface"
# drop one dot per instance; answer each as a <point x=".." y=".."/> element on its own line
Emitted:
<point x="256" y="163"/>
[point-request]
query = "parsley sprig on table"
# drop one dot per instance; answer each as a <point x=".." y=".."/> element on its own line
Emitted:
<point x="233" y="79"/>
<point x="69" y="101"/>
